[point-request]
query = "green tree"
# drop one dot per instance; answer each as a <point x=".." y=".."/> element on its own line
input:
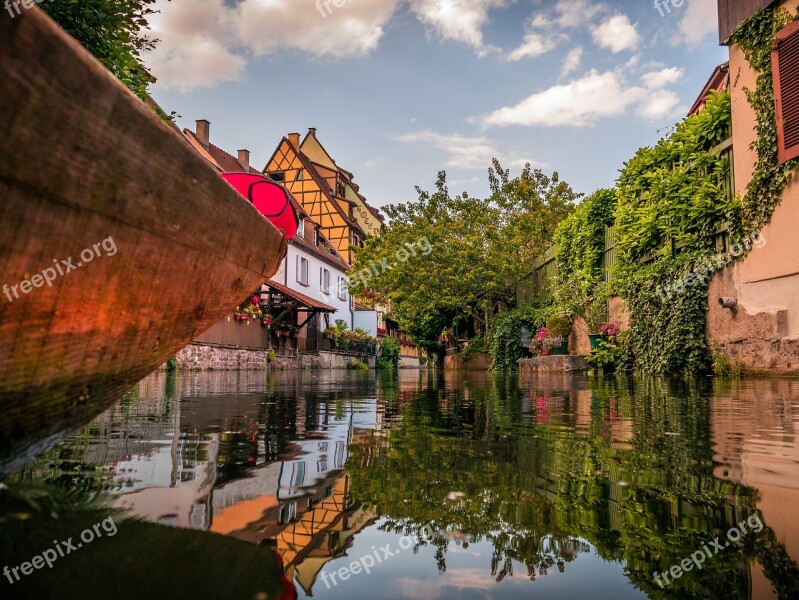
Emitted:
<point x="479" y="250"/>
<point x="112" y="30"/>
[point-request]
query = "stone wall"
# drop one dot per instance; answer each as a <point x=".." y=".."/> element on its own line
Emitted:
<point x="553" y="364"/>
<point x="757" y="334"/>
<point x="333" y="360"/>
<point x="410" y="362"/>
<point x="477" y="362"/>
<point x="203" y="357"/>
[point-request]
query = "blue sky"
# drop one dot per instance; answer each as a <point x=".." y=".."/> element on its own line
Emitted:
<point x="399" y="89"/>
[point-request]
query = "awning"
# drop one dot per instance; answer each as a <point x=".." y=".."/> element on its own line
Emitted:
<point x="302" y="299"/>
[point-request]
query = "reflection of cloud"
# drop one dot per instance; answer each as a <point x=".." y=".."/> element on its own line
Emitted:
<point x="479" y="583"/>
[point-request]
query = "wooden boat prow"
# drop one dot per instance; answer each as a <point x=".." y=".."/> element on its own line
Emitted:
<point x="83" y="160"/>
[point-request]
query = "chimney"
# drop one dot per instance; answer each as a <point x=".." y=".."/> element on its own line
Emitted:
<point x="312" y="131"/>
<point x="203" y="130"/>
<point x="244" y="159"/>
<point x="294" y="138"/>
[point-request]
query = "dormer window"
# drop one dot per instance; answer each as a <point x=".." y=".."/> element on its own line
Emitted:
<point x="278" y="177"/>
<point x="301" y="229"/>
<point x="315" y="237"/>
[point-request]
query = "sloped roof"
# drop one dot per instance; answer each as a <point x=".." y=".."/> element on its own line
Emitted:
<point x="219" y="158"/>
<point x="299" y="297"/>
<point x="348" y="175"/>
<point x="310" y="168"/>
<point x="719" y="81"/>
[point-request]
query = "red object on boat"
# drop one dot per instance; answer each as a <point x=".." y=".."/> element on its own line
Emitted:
<point x="271" y="199"/>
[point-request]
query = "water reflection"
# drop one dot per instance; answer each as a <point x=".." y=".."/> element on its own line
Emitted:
<point x="556" y="486"/>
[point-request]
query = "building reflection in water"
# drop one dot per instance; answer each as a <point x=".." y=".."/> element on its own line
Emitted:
<point x="541" y="472"/>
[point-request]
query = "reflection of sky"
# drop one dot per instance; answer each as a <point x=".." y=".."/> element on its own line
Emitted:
<point x="153" y="469"/>
<point x="468" y="575"/>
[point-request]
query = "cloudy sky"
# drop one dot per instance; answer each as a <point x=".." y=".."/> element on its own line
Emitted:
<point x="400" y="89"/>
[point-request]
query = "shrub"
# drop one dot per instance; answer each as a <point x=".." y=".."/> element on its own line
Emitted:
<point x="558" y="326"/>
<point x="357" y="366"/>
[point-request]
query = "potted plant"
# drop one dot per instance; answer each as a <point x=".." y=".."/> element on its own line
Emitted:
<point x="610" y="330"/>
<point x="556" y="346"/>
<point x="537" y="343"/>
<point x="558" y="329"/>
<point x="595" y="314"/>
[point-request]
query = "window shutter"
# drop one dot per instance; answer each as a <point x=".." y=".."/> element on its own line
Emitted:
<point x="785" y="61"/>
<point x="298" y="267"/>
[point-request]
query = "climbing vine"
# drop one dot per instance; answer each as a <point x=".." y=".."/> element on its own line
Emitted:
<point x="580" y="243"/>
<point x="504" y="338"/>
<point x="755" y="37"/>
<point x="671" y="201"/>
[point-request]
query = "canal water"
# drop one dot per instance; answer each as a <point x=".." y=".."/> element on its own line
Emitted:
<point x="424" y="485"/>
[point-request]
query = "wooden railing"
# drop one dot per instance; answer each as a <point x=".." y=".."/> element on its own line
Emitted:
<point x="543" y="280"/>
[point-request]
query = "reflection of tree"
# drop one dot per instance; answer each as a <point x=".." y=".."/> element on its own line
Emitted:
<point x="779" y="568"/>
<point x="535" y="491"/>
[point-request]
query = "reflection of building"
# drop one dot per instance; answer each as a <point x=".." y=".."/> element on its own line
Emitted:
<point x="756" y="445"/>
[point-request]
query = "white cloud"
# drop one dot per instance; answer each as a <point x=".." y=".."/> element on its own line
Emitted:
<point x="579" y="103"/>
<point x="458" y="20"/>
<point x="534" y="45"/>
<point x="662" y="78"/>
<point x="700" y="21"/>
<point x="193" y="51"/>
<point x="267" y="26"/>
<point x="617" y="34"/>
<point x="572" y="61"/>
<point x="569" y="14"/>
<point x="377" y="161"/>
<point x="464" y="152"/>
<point x="204" y="42"/>
<point x="660" y="104"/>
<point x="587" y="100"/>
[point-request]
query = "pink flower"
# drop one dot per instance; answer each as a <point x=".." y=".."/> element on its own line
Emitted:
<point x="610" y="329"/>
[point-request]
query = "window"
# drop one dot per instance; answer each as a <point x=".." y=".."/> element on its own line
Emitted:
<point x="301" y="229"/>
<point x="279" y="176"/>
<point x="785" y="61"/>
<point x="315" y="237"/>
<point x="300" y="174"/>
<point x="342" y="288"/>
<point x="302" y="270"/>
<point x="324" y="278"/>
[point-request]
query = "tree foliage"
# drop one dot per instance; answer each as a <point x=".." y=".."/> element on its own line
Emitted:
<point x="112" y="30"/>
<point x="480" y="249"/>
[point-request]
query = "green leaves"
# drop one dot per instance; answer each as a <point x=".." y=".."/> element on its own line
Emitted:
<point x="481" y="250"/>
<point x="112" y="30"/>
